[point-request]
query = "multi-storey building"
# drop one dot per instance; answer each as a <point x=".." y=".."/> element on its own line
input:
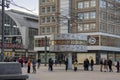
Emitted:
<point x="99" y="19"/>
<point x="19" y="31"/>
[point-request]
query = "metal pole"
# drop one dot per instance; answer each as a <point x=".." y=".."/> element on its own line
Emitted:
<point x="45" y="50"/>
<point x="3" y="21"/>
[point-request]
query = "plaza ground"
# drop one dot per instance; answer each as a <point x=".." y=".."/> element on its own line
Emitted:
<point x="59" y="73"/>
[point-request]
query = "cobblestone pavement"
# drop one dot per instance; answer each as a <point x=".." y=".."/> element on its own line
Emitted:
<point x="59" y="73"/>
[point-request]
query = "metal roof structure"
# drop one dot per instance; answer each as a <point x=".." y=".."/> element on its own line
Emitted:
<point x="23" y="19"/>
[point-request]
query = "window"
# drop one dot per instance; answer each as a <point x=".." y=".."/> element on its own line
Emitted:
<point x="92" y="15"/>
<point x="86" y="4"/>
<point x="117" y="0"/>
<point x="43" y="29"/>
<point x="43" y="9"/>
<point x="80" y="15"/>
<point x="86" y="27"/>
<point x="48" y="19"/>
<point x="80" y="27"/>
<point x="53" y="29"/>
<point x="48" y="9"/>
<point x="53" y="9"/>
<point x="43" y="0"/>
<point x="92" y="26"/>
<point x="102" y="4"/>
<point x="48" y="29"/>
<point x="93" y="3"/>
<point x="86" y="15"/>
<point x="43" y="20"/>
<point x="80" y="5"/>
<point x="53" y="18"/>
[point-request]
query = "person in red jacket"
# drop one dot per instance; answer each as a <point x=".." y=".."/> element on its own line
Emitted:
<point x="28" y="65"/>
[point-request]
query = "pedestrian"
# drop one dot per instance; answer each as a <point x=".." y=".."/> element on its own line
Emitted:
<point x="21" y="61"/>
<point x="39" y="62"/>
<point x="56" y="62"/>
<point x="105" y="65"/>
<point x="75" y="65"/>
<point x="25" y="61"/>
<point x="50" y="64"/>
<point x="28" y="65"/>
<point x="110" y="65"/>
<point x="66" y="64"/>
<point x="34" y="65"/>
<point x="91" y="64"/>
<point x="86" y="64"/>
<point x="101" y="64"/>
<point x="118" y="66"/>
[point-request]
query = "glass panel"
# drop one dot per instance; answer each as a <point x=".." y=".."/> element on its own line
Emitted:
<point x="80" y="5"/>
<point x="80" y="27"/>
<point x="92" y="26"/>
<point x="86" y="27"/>
<point x="86" y="4"/>
<point x="93" y="3"/>
<point x="86" y="15"/>
<point x="92" y="15"/>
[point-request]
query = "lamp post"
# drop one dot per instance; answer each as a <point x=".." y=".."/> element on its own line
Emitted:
<point x="3" y="3"/>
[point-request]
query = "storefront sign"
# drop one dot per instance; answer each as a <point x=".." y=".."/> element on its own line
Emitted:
<point x="68" y="42"/>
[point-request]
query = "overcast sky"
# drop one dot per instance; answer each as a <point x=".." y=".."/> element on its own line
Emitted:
<point x="29" y="4"/>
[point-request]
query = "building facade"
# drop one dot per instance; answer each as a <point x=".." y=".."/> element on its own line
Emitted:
<point x="98" y="19"/>
<point x="20" y="29"/>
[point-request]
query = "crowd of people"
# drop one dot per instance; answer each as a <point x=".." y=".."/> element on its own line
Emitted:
<point x="105" y="65"/>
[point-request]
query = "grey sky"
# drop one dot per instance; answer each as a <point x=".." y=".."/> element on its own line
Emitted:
<point x="29" y="4"/>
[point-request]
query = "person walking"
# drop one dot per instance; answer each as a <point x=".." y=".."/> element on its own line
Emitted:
<point x="91" y="64"/>
<point x="75" y="65"/>
<point x="28" y="65"/>
<point x="50" y="64"/>
<point x="21" y="61"/>
<point x="66" y="64"/>
<point x="110" y="65"/>
<point x="34" y="65"/>
<point x="105" y="65"/>
<point x="101" y="64"/>
<point x="118" y="66"/>
<point x="86" y="64"/>
<point x="39" y="62"/>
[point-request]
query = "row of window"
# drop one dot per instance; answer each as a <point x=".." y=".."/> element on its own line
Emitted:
<point x="43" y="1"/>
<point x="48" y="29"/>
<point x="109" y="27"/>
<point x="48" y="19"/>
<point x="92" y="3"/>
<point x="117" y="0"/>
<point x="86" y="4"/>
<point x="87" y="15"/>
<point x="40" y="42"/>
<point x="48" y="9"/>
<point x="109" y="17"/>
<point x="104" y="4"/>
<point x="86" y="27"/>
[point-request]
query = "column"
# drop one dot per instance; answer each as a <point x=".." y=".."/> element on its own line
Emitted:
<point x="69" y="60"/>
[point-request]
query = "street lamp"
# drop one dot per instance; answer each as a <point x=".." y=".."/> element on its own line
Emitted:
<point x="3" y="3"/>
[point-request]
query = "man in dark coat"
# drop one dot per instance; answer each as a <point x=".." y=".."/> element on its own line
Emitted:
<point x="50" y="64"/>
<point x="110" y="65"/>
<point x="91" y="64"/>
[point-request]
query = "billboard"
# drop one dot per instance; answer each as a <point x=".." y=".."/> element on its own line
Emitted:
<point x="68" y="42"/>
